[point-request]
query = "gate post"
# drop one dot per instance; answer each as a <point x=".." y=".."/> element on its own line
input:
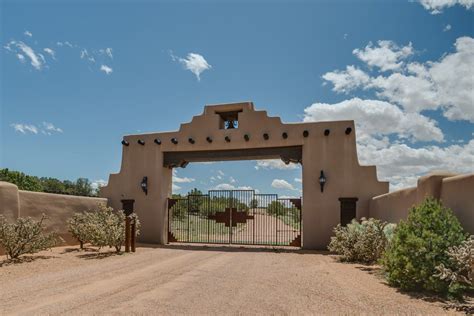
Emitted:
<point x="127" y="234"/>
<point x="134" y="233"/>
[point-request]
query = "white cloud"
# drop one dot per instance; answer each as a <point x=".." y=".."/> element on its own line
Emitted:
<point x="275" y="164"/>
<point x="175" y="187"/>
<point x="96" y="184"/>
<point x="181" y="180"/>
<point x="220" y="172"/>
<point x="21" y="57"/>
<point x="386" y="56"/>
<point x="377" y="118"/>
<point x="446" y="84"/>
<point x="389" y="130"/>
<point x="402" y="165"/>
<point x="299" y="180"/>
<point x="36" y="60"/>
<point x="282" y="184"/>
<point x="50" y="52"/>
<point x="107" y="51"/>
<point x="347" y="80"/>
<point x="194" y="63"/>
<point x="106" y="69"/>
<point x="437" y="6"/>
<point x="25" y="128"/>
<point x="447" y="28"/>
<point x="49" y="128"/>
<point x="45" y="128"/>
<point x="28" y="33"/>
<point x="232" y="180"/>
<point x="228" y="186"/>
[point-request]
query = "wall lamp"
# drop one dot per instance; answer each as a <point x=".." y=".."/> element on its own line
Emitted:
<point x="141" y="142"/>
<point x="209" y="139"/>
<point x="322" y="180"/>
<point x="157" y="141"/>
<point x="305" y="133"/>
<point x="125" y="143"/>
<point x="266" y="136"/>
<point x="144" y="185"/>
<point x="326" y="132"/>
<point x="246" y="137"/>
<point x="284" y="135"/>
<point x="227" y="139"/>
<point x="348" y="130"/>
<point x="191" y="140"/>
<point x="174" y="140"/>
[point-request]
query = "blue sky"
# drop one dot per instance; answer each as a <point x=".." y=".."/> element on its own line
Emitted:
<point x="76" y="77"/>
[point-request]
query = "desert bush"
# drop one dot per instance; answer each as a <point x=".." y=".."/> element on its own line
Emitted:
<point x="419" y="245"/>
<point x="460" y="271"/>
<point x="102" y="227"/>
<point x="78" y="227"/>
<point x="25" y="235"/>
<point x="361" y="242"/>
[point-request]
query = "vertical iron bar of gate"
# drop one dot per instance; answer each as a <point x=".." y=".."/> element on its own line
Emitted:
<point x="254" y="215"/>
<point x="208" y="210"/>
<point x="187" y="215"/>
<point x="276" y="221"/>
<point x="230" y="215"/>
<point x="301" y="221"/>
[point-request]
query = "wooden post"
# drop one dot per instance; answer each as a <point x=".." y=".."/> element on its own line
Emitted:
<point x="127" y="234"/>
<point x="133" y="235"/>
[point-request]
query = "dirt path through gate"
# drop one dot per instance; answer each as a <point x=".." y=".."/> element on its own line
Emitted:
<point x="266" y="228"/>
<point x="198" y="280"/>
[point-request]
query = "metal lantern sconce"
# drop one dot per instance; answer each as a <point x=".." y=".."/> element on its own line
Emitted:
<point x="144" y="185"/>
<point x="322" y="180"/>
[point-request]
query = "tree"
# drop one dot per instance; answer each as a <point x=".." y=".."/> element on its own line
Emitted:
<point x="21" y="180"/>
<point x="275" y="208"/>
<point x="254" y="203"/>
<point x="52" y="185"/>
<point x="83" y="187"/>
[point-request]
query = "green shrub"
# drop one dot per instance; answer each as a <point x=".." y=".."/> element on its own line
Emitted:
<point x="460" y="272"/>
<point x="360" y="242"/>
<point x="24" y="236"/>
<point x="419" y="245"/>
<point x="102" y="227"/>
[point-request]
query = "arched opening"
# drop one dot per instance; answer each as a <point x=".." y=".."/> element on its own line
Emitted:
<point x="245" y="202"/>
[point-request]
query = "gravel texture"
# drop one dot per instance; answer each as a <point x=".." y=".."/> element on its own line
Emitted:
<point x="199" y="280"/>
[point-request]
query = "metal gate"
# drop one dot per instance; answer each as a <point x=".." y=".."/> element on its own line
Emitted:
<point x="235" y="217"/>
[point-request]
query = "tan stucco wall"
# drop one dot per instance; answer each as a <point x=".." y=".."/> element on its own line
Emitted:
<point x="335" y="154"/>
<point x="458" y="194"/>
<point x="454" y="191"/>
<point x="9" y="200"/>
<point x="394" y="206"/>
<point x="57" y="207"/>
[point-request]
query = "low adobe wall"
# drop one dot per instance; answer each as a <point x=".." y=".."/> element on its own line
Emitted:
<point x="57" y="207"/>
<point x="458" y="194"/>
<point x="454" y="191"/>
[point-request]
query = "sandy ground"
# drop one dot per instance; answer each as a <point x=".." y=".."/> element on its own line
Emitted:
<point x="199" y="280"/>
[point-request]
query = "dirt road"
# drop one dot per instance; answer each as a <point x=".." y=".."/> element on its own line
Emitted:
<point x="197" y="280"/>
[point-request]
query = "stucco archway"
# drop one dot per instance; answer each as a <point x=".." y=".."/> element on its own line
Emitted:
<point x="327" y="146"/>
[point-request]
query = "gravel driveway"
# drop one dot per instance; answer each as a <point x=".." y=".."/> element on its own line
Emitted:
<point x="198" y="280"/>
